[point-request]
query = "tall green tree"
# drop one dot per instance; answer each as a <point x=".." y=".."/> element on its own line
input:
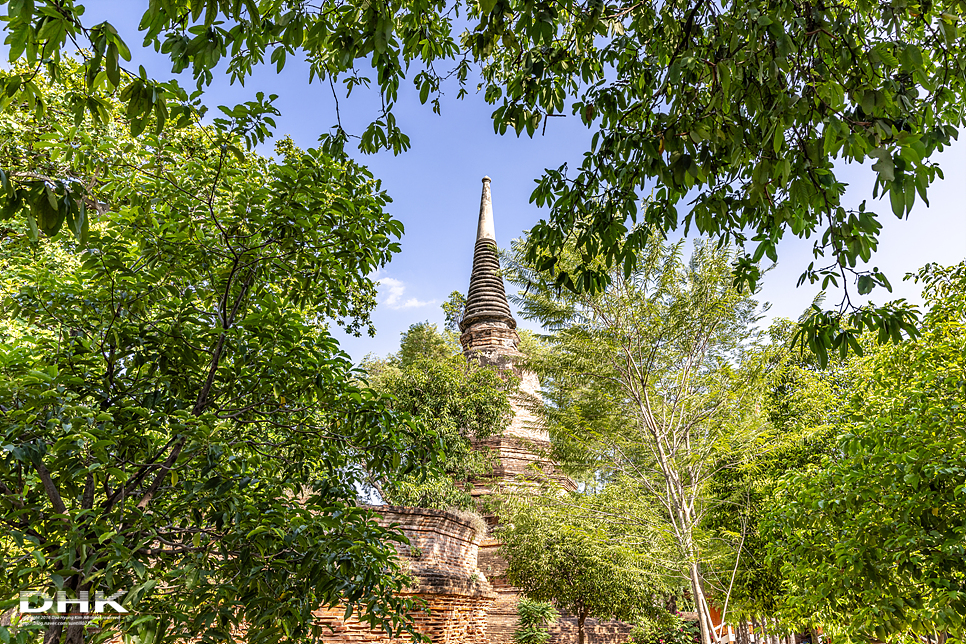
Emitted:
<point x="459" y="401"/>
<point x="752" y="104"/>
<point x="453" y="309"/>
<point x="177" y="423"/>
<point x="424" y="341"/>
<point x="871" y="543"/>
<point x="657" y="379"/>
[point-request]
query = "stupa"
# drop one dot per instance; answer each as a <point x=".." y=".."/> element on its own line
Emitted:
<point x="518" y="455"/>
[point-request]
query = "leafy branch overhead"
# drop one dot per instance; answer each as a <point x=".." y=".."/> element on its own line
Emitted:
<point x="731" y="118"/>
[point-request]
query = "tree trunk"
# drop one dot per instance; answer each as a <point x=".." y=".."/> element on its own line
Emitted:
<point x="52" y="634"/>
<point x="55" y="633"/>
<point x="773" y="637"/>
<point x="701" y="605"/>
<point x="671" y="604"/>
<point x="580" y="627"/>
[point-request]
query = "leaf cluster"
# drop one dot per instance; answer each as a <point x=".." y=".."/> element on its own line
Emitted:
<point x="750" y="107"/>
<point x="870" y="542"/>
<point x="570" y="550"/>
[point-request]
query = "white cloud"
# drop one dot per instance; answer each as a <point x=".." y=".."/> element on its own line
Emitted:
<point x="413" y="303"/>
<point x="396" y="290"/>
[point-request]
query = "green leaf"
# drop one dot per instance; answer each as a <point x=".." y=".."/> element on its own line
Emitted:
<point x="112" y="67"/>
<point x="885" y="166"/>
<point x="898" y="199"/>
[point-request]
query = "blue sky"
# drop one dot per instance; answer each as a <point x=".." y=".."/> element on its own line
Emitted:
<point x="436" y="189"/>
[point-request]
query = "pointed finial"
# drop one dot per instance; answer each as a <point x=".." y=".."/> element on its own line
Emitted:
<point x="485" y="229"/>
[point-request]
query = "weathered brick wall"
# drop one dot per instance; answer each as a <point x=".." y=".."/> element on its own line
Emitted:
<point x="446" y="619"/>
<point x="491" y="342"/>
<point x="443" y="548"/>
<point x="443" y="559"/>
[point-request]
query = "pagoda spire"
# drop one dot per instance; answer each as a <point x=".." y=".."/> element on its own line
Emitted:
<point x="487" y="324"/>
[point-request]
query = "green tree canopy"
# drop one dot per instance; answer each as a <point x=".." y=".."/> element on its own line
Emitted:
<point x="459" y="401"/>
<point x="746" y="107"/>
<point x="569" y="549"/>
<point x="423" y="340"/>
<point x="805" y="404"/>
<point x="177" y="421"/>
<point x="871" y="543"/>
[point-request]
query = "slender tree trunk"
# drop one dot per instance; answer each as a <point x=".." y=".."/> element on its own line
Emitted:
<point x="773" y="632"/>
<point x="73" y="633"/>
<point x="701" y="605"/>
<point x="580" y="627"/>
<point x="52" y="634"/>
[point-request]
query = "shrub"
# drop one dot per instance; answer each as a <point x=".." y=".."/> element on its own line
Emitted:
<point x="534" y="618"/>
<point x="666" y="629"/>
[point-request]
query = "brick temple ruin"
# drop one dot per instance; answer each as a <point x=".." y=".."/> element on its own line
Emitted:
<point x="456" y="562"/>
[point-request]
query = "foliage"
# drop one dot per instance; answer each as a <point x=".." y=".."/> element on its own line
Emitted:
<point x="534" y="618"/>
<point x="423" y="340"/>
<point x="453" y="309"/>
<point x="666" y="628"/>
<point x="746" y="108"/>
<point x="750" y="104"/>
<point x="177" y="421"/>
<point x="459" y="402"/>
<point x="561" y="548"/>
<point x="805" y="403"/>
<point x="655" y="382"/>
<point x="871" y="543"/>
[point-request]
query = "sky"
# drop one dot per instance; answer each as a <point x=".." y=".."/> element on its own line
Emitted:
<point x="436" y="188"/>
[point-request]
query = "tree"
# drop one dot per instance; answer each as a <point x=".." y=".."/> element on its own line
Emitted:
<point x="740" y="110"/>
<point x="424" y="341"/>
<point x="453" y="310"/>
<point x="558" y="549"/>
<point x="871" y="543"/>
<point x="656" y="380"/>
<point x="749" y="104"/>
<point x="805" y="404"/>
<point x="177" y="421"/>
<point x="460" y="402"/>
